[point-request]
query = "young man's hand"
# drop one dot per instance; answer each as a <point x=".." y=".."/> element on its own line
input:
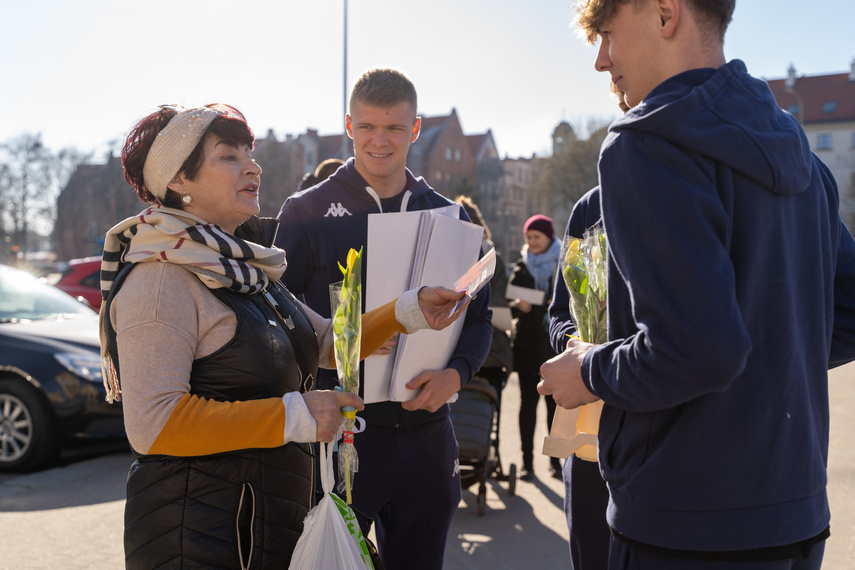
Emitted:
<point x="437" y="386"/>
<point x="561" y="377"/>
<point x="387" y="346"/>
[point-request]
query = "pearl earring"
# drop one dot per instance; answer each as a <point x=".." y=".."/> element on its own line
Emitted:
<point x="186" y="198"/>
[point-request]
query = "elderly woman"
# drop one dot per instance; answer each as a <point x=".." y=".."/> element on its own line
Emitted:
<point x="213" y="358"/>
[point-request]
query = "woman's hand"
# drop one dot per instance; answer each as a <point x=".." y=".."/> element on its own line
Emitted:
<point x="436" y="303"/>
<point x="325" y="406"/>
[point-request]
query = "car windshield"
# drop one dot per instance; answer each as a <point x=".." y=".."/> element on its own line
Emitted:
<point x="24" y="298"/>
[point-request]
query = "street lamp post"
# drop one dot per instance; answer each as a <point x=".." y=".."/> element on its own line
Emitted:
<point x="344" y="88"/>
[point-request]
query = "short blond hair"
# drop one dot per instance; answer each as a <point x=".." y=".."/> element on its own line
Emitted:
<point x="384" y="88"/>
<point x="712" y="16"/>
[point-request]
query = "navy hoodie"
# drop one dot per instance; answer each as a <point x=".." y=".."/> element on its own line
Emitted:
<point x="318" y="226"/>
<point x="731" y="291"/>
<point x="585" y="214"/>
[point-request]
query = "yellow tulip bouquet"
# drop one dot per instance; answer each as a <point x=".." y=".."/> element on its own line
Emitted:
<point x="583" y="263"/>
<point x="584" y="271"/>
<point x="346" y="301"/>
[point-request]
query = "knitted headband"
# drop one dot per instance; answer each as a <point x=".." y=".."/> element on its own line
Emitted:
<point x="173" y="145"/>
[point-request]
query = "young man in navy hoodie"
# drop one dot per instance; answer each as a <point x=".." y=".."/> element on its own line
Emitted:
<point x="731" y="292"/>
<point x="409" y="477"/>
<point x="586" y="497"/>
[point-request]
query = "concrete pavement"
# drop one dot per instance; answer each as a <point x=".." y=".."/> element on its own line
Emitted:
<point x="70" y="517"/>
<point x="840" y="550"/>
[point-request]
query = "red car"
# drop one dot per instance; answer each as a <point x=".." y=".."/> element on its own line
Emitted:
<point x="83" y="279"/>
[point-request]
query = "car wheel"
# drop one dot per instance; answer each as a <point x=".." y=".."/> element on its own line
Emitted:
<point x="27" y="439"/>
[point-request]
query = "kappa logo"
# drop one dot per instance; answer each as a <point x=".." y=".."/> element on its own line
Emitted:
<point x="456" y="470"/>
<point x="337" y="211"/>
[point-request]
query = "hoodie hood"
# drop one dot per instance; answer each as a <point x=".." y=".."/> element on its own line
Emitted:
<point x="705" y="111"/>
<point x="354" y="183"/>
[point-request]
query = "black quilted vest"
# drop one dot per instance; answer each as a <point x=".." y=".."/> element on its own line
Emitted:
<point x="241" y="509"/>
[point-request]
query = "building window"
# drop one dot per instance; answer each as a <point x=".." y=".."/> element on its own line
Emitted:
<point x="793" y="110"/>
<point x="829" y="107"/>
<point x="458" y="155"/>
<point x="853" y="139"/>
<point x="448" y="153"/>
<point x="823" y="141"/>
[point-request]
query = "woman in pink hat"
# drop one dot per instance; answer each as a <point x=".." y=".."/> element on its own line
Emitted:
<point x="534" y="270"/>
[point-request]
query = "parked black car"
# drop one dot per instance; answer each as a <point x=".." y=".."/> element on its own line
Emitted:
<point x="50" y="373"/>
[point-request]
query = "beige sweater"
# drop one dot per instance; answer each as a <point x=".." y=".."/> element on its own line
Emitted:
<point x="165" y="318"/>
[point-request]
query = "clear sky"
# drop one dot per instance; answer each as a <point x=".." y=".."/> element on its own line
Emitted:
<point x="82" y="72"/>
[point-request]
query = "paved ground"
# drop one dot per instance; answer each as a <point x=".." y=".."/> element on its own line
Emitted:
<point x="70" y="517"/>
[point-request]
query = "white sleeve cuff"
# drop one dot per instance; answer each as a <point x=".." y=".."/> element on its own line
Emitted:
<point x="408" y="312"/>
<point x="300" y="426"/>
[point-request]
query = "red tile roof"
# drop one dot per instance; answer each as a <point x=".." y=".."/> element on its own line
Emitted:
<point x="430" y="122"/>
<point x="475" y="142"/>
<point x="818" y="93"/>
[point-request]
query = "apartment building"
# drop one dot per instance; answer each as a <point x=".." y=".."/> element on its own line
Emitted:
<point x="825" y="106"/>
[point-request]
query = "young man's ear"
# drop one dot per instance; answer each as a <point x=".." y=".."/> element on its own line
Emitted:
<point x="348" y="125"/>
<point x="669" y="16"/>
<point x="417" y="129"/>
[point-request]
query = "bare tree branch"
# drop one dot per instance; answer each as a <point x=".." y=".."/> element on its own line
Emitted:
<point x="31" y="177"/>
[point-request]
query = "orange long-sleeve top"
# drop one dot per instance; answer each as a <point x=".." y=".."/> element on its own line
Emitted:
<point x="165" y="318"/>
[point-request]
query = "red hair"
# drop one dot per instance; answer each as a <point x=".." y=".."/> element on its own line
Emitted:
<point x="230" y="126"/>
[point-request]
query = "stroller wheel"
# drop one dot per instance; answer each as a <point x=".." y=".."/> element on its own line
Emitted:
<point x="482" y="501"/>
<point x="512" y="479"/>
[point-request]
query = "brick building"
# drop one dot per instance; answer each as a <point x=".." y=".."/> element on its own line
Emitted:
<point x="97" y="196"/>
<point x="443" y="156"/>
<point x="95" y="199"/>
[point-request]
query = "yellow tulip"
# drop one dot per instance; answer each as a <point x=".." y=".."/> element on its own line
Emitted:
<point x="596" y="255"/>
<point x="572" y="255"/>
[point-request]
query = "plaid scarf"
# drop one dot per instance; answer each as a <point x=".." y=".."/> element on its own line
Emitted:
<point x="216" y="257"/>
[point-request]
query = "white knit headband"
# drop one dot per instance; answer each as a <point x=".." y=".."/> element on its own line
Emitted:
<point x="173" y="145"/>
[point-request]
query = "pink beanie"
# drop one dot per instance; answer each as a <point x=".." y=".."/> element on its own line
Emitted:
<point x="540" y="223"/>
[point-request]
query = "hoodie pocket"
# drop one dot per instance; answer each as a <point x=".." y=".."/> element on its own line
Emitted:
<point x="625" y="440"/>
<point x="611" y="424"/>
<point x="244" y="523"/>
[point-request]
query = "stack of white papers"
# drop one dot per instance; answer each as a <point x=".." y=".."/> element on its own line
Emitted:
<point x="407" y="250"/>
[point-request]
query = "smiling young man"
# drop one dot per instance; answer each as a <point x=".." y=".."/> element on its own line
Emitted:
<point x="731" y="291"/>
<point x="409" y="481"/>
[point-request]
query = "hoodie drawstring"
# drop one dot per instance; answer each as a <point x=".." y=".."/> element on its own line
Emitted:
<point x="404" y="201"/>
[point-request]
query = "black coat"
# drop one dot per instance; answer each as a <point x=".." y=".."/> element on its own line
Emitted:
<point x="531" y="330"/>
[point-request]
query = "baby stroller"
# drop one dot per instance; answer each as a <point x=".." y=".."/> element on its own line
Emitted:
<point x="475" y="417"/>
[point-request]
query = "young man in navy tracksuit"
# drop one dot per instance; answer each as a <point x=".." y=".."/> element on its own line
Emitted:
<point x="731" y="291"/>
<point x="585" y="494"/>
<point x="409" y="479"/>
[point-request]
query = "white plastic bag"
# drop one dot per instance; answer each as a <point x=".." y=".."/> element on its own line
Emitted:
<point x="329" y="542"/>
